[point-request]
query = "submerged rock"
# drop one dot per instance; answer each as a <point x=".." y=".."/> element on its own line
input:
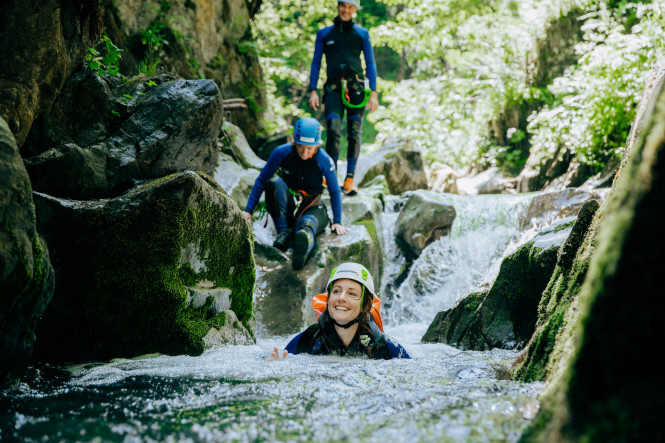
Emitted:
<point x="150" y="271"/>
<point x="26" y="275"/>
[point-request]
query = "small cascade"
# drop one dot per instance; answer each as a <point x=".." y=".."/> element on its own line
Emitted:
<point x="486" y="228"/>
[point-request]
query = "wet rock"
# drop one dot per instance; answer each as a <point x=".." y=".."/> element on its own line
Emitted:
<point x="442" y="178"/>
<point x="505" y="316"/>
<point x="159" y="126"/>
<point x="85" y="177"/>
<point x="64" y="123"/>
<point x="239" y="148"/>
<point x="209" y="39"/>
<point x="26" y="274"/>
<point x="426" y="217"/>
<point x="146" y="272"/>
<point x="40" y="46"/>
<point x="602" y="363"/>
<point x="227" y="331"/>
<point x="559" y="204"/>
<point x="490" y="181"/>
<point x="234" y="179"/>
<point x="399" y="162"/>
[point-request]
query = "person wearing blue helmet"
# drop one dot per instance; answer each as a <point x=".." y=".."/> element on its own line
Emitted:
<point x="293" y="198"/>
<point x="344" y="89"/>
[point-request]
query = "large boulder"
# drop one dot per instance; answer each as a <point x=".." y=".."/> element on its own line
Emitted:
<point x="425" y="217"/>
<point x="26" y="275"/>
<point x="40" y="46"/>
<point x="151" y="271"/>
<point x="143" y="129"/>
<point x="200" y="39"/>
<point x="505" y="316"/>
<point x="400" y="162"/>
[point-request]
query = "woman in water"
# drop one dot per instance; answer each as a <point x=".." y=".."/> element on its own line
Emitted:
<point x="346" y="327"/>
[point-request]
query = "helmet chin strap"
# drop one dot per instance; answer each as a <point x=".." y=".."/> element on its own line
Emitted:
<point x="349" y="324"/>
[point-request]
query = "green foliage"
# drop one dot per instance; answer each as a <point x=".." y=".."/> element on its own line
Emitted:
<point x="469" y="60"/>
<point x="595" y="101"/>
<point x="107" y="63"/>
<point x="154" y="39"/>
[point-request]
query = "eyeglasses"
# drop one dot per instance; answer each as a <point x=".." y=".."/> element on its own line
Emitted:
<point x="352" y="294"/>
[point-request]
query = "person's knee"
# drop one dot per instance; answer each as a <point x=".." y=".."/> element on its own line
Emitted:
<point x="308" y="222"/>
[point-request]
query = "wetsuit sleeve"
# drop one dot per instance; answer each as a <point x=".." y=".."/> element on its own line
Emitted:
<point x="266" y="174"/>
<point x="292" y="347"/>
<point x="396" y="350"/>
<point x="328" y="169"/>
<point x="316" y="60"/>
<point x="370" y="64"/>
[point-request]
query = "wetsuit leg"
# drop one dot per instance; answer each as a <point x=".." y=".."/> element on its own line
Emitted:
<point x="312" y="223"/>
<point x="334" y="108"/>
<point x="279" y="203"/>
<point x="354" y="133"/>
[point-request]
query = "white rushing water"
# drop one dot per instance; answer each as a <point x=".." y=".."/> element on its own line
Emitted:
<point x="235" y="394"/>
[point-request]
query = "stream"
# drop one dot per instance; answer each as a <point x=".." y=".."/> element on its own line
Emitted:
<point x="235" y="394"/>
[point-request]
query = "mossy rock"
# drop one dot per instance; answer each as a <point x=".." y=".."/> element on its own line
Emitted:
<point x="607" y="382"/>
<point x="506" y="316"/>
<point x="26" y="274"/>
<point x="125" y="266"/>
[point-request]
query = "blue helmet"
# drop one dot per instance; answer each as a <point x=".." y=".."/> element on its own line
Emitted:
<point x="307" y="132"/>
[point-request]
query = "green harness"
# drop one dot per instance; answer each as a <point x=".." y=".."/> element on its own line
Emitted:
<point x="345" y="97"/>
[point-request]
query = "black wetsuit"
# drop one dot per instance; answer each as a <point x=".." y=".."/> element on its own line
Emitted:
<point x="321" y="339"/>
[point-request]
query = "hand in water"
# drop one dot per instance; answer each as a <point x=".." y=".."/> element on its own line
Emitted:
<point x="274" y="356"/>
<point x="339" y="229"/>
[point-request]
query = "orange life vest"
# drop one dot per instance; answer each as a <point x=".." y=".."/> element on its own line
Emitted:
<point x="320" y="301"/>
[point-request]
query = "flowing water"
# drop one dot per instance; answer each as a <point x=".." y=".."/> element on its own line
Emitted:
<point x="235" y="394"/>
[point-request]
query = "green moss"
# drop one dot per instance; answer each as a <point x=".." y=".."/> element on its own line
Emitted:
<point x="130" y="293"/>
<point x="218" y="321"/>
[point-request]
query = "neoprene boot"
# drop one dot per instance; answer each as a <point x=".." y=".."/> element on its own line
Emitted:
<point x="282" y="240"/>
<point x="304" y="243"/>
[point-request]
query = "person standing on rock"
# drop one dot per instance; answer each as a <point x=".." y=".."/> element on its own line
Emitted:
<point x="344" y="89"/>
<point x="293" y="199"/>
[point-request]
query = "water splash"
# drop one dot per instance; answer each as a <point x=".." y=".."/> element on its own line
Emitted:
<point x="457" y="264"/>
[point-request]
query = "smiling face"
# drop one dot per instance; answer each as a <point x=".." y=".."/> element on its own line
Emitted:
<point x="346" y="11"/>
<point x="344" y="300"/>
<point x="305" y="151"/>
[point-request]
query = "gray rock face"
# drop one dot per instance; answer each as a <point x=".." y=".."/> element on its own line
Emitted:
<point x="150" y="271"/>
<point x="206" y="39"/>
<point x="399" y="162"/>
<point x="505" y="316"/>
<point x="159" y="126"/>
<point x="425" y="217"/>
<point x="40" y="46"/>
<point x="26" y="275"/>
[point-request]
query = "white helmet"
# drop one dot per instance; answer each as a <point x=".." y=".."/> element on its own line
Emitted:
<point x="352" y="271"/>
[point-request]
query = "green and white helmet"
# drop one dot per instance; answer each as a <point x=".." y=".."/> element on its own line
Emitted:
<point x="355" y="272"/>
